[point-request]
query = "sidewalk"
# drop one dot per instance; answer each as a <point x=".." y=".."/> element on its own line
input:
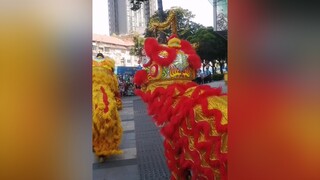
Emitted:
<point x="219" y="84"/>
<point x="124" y="166"/>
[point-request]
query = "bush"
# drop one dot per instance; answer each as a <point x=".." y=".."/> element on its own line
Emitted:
<point x="218" y="77"/>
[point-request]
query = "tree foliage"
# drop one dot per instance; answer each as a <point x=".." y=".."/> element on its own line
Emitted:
<point x="185" y="26"/>
<point x="210" y="45"/>
<point x="136" y="50"/>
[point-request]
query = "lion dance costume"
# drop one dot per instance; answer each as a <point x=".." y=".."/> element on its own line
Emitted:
<point x="192" y="117"/>
<point x="106" y="125"/>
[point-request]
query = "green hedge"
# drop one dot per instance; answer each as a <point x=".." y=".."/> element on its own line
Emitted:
<point x="218" y="77"/>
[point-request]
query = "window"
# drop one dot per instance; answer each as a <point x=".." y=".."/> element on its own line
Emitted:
<point x="94" y="47"/>
<point x="128" y="61"/>
<point x="100" y="48"/>
<point x="106" y="49"/>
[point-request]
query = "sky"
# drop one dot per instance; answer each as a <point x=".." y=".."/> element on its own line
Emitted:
<point x="202" y="9"/>
<point x="100" y="17"/>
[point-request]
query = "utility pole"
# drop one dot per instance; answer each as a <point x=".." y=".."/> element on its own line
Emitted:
<point x="162" y="38"/>
<point x="214" y="4"/>
<point x="214" y="15"/>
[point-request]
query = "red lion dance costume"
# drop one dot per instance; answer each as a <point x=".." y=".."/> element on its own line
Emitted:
<point x="193" y="117"/>
<point x="106" y="125"/>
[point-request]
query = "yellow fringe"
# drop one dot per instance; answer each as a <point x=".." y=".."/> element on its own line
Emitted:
<point x="106" y="126"/>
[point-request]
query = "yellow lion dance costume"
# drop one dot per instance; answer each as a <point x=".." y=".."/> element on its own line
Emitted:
<point x="106" y="125"/>
<point x="193" y="118"/>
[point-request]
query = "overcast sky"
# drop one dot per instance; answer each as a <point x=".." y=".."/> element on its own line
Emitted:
<point x="202" y="9"/>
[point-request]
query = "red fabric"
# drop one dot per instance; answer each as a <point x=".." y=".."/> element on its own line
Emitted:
<point x="160" y="103"/>
<point x="105" y="99"/>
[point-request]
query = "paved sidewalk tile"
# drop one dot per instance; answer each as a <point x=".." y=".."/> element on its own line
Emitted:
<point x="129" y="153"/>
<point x="130" y="172"/>
<point x="123" y="166"/>
<point x="127" y="125"/>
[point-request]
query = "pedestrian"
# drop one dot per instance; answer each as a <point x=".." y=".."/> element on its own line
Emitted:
<point x="202" y="77"/>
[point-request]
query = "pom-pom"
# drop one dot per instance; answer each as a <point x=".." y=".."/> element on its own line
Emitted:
<point x="149" y="46"/>
<point x="140" y="77"/>
<point x="164" y="56"/>
<point x="187" y="47"/>
<point x="173" y="36"/>
<point x="194" y="61"/>
<point x="161" y="54"/>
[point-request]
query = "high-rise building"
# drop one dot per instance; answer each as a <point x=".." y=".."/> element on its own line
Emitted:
<point x="122" y="20"/>
<point x="220" y="14"/>
<point x="113" y="16"/>
<point x="150" y="8"/>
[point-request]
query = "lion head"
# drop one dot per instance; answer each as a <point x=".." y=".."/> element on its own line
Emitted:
<point x="174" y="62"/>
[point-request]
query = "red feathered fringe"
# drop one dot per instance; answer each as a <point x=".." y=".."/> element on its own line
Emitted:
<point x="140" y="77"/>
<point x="181" y="125"/>
<point x="149" y="45"/>
<point x="153" y="48"/>
<point x="194" y="61"/>
<point x="164" y="61"/>
<point x="187" y="47"/>
<point x="193" y="58"/>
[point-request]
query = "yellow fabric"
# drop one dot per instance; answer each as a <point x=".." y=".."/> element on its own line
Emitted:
<point x="106" y="126"/>
<point x="105" y="63"/>
<point x="226" y="78"/>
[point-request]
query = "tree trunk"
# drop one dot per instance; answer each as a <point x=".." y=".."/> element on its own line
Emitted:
<point x="162" y="38"/>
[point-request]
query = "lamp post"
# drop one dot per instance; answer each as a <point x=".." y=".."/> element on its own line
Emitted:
<point x="214" y="15"/>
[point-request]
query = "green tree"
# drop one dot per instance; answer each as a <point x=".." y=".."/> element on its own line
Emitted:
<point x="210" y="46"/>
<point x="185" y="26"/>
<point x="136" y="50"/>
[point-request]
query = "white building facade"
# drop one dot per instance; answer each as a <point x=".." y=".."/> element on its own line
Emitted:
<point x="115" y="48"/>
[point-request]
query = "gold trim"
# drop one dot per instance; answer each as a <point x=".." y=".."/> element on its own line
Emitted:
<point x="151" y="86"/>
